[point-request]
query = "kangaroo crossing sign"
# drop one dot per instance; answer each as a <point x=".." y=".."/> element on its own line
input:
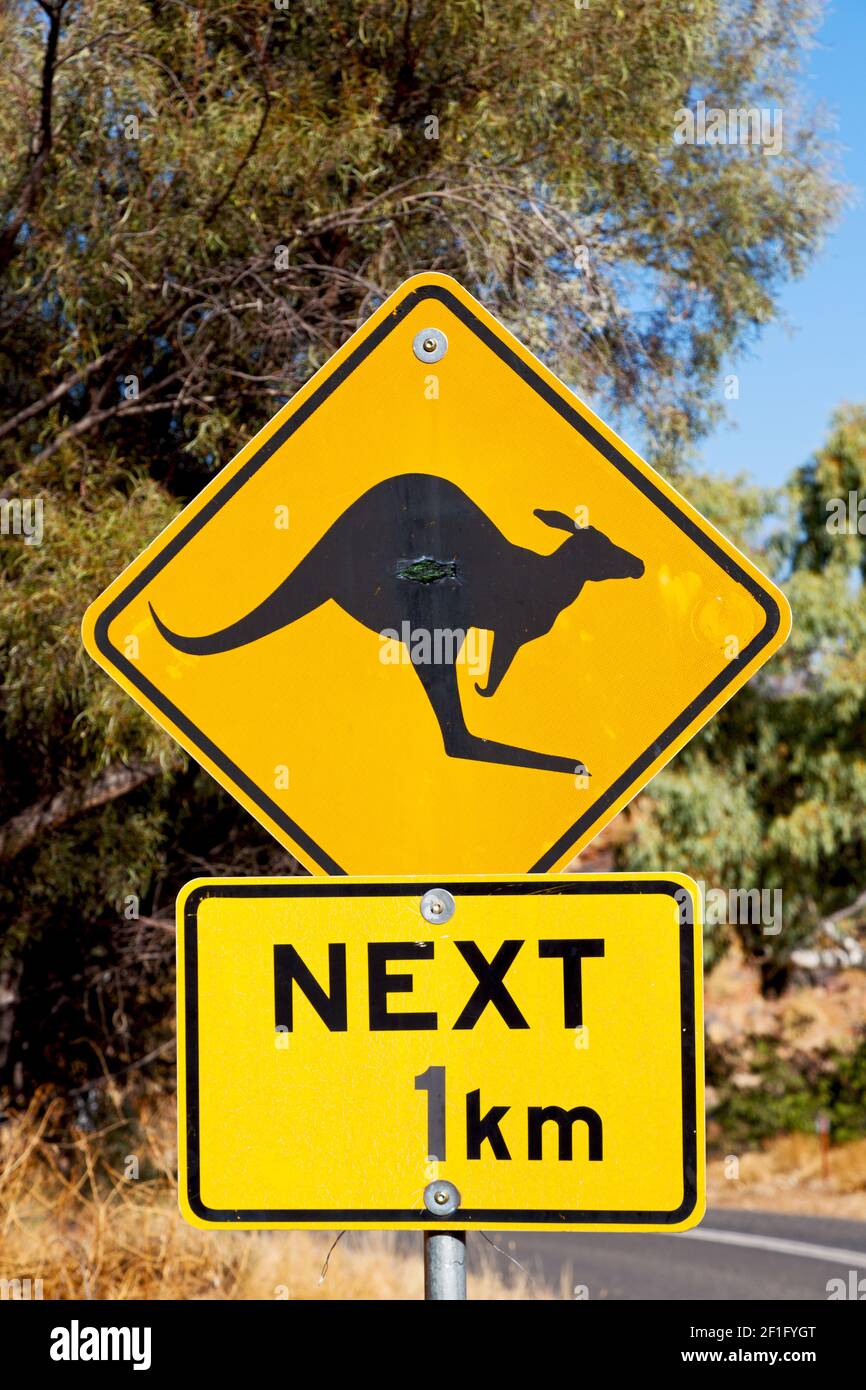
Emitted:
<point x="483" y="1053"/>
<point x="436" y="613"/>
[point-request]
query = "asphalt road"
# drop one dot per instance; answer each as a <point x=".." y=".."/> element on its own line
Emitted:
<point x="731" y="1255"/>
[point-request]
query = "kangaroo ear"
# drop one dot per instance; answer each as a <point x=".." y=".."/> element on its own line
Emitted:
<point x="561" y="521"/>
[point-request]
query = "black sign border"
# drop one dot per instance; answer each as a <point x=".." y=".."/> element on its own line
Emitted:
<point x="464" y="1217"/>
<point x="571" y="415"/>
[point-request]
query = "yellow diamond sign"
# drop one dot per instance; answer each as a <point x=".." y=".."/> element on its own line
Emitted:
<point x="436" y="614"/>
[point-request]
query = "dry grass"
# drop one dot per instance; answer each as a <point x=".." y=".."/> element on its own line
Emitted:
<point x="787" y="1174"/>
<point x="70" y="1216"/>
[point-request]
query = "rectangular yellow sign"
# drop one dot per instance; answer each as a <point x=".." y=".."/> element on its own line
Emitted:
<point x="514" y="1053"/>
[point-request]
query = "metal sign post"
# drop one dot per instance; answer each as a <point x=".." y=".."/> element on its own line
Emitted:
<point x="444" y="1265"/>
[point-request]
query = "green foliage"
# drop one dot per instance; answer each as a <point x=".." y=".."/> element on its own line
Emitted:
<point x="789" y="1093"/>
<point x="772" y="794"/>
<point x="821" y="544"/>
<point x="58" y="711"/>
<point x="229" y="189"/>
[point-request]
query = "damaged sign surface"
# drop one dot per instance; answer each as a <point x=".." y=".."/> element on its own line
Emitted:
<point x="480" y="1052"/>
<point x="436" y="612"/>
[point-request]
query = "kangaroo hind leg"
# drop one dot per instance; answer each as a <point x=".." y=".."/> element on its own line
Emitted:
<point x="440" y="685"/>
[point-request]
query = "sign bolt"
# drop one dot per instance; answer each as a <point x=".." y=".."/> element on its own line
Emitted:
<point x="441" y="1198"/>
<point x="430" y="345"/>
<point x="437" y="906"/>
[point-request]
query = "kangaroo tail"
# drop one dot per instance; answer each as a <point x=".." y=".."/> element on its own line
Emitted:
<point x="291" y="600"/>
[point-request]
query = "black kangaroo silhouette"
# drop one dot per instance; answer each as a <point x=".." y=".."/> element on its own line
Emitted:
<point x="461" y="572"/>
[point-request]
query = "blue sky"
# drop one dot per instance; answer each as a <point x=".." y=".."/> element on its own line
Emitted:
<point x="792" y="379"/>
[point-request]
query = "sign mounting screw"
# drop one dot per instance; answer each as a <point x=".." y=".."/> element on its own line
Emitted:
<point x="437" y="906"/>
<point x="430" y="345"/>
<point x="441" y="1198"/>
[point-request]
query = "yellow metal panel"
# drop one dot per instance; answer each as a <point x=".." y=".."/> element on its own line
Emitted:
<point x="319" y="1123"/>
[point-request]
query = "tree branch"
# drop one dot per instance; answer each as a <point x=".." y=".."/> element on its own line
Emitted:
<point x="844" y="913"/>
<point x="57" y="393"/>
<point x="51" y="812"/>
<point x="223" y="197"/>
<point x="30" y="188"/>
<point x="114" y="412"/>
